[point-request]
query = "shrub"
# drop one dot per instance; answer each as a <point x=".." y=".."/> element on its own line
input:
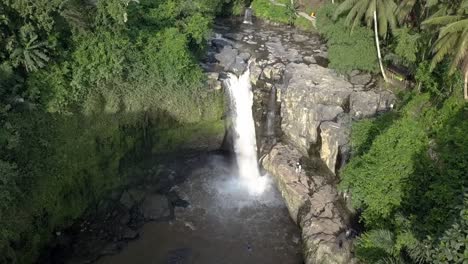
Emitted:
<point x="347" y="50"/>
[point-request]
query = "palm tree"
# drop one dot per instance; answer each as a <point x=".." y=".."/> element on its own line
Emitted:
<point x="30" y="51"/>
<point x="380" y="12"/>
<point x="452" y="41"/>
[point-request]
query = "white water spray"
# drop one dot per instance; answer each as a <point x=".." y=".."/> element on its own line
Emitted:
<point x="245" y="145"/>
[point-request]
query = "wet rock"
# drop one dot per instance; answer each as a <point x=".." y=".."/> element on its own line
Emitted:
<point x="227" y="57"/>
<point x="176" y="200"/>
<point x="112" y="248"/>
<point x="129" y="234"/>
<point x="126" y="200"/>
<point x="277" y="71"/>
<point x="190" y="225"/>
<point x="299" y="37"/>
<point x="220" y="43"/>
<point x="239" y="66"/>
<point x="268" y="71"/>
<point x="233" y="36"/>
<point x="125" y="218"/>
<point x="255" y="72"/>
<point x="245" y="56"/>
<point x="213" y="81"/>
<point x="155" y="207"/>
<point x="137" y="195"/>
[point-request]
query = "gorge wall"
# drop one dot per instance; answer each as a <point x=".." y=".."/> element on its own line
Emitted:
<point x="312" y="117"/>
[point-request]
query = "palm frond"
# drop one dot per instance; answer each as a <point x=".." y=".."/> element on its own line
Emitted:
<point x="442" y="48"/>
<point x="404" y="9"/>
<point x="379" y="238"/>
<point x="391" y="260"/>
<point x="343" y="7"/>
<point x="381" y="16"/>
<point x="461" y="51"/>
<point x="441" y="20"/>
<point x="454" y="27"/>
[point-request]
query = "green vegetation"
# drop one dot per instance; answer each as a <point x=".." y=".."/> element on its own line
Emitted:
<point x="408" y="175"/>
<point x="267" y="10"/>
<point x="86" y="88"/>
<point x="408" y="171"/>
<point x="347" y="50"/>
<point x="281" y="11"/>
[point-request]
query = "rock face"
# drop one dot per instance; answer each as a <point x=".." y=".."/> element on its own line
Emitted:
<point x="313" y="99"/>
<point x="314" y="205"/>
<point x="312" y="109"/>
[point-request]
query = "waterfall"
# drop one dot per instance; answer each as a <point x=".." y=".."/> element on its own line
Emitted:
<point x="245" y="145"/>
<point x="271" y="114"/>
<point x="248" y="16"/>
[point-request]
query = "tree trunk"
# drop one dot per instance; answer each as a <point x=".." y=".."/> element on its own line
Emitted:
<point x="376" y="30"/>
<point x="465" y="89"/>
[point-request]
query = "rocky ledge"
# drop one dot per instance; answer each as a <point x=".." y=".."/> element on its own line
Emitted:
<point x="313" y="203"/>
<point x="312" y="109"/>
<point x="318" y="105"/>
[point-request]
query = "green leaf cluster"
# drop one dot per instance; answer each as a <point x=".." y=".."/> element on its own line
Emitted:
<point x="347" y="50"/>
<point x="408" y="176"/>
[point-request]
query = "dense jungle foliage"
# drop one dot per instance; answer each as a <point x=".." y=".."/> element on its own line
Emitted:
<point x="409" y="171"/>
<point x="408" y="175"/>
<point x="87" y="87"/>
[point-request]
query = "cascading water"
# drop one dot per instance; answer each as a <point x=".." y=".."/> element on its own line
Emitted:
<point x="271" y="114"/>
<point x="245" y="145"/>
<point x="248" y="16"/>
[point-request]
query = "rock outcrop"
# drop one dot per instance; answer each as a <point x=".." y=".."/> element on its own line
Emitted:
<point x="313" y="99"/>
<point x="313" y="111"/>
<point x="313" y="203"/>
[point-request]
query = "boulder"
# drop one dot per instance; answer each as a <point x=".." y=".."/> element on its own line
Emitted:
<point x="129" y="234"/>
<point x="227" y="57"/>
<point x="255" y="72"/>
<point x="137" y="195"/>
<point x="310" y="59"/>
<point x="299" y="37"/>
<point x="360" y="79"/>
<point x="335" y="141"/>
<point x="126" y="200"/>
<point x="155" y="207"/>
<point x="239" y="66"/>
<point x="313" y="95"/>
<point x="364" y="104"/>
<point x="245" y="56"/>
<point x="268" y="71"/>
<point x="220" y="43"/>
<point x="277" y="71"/>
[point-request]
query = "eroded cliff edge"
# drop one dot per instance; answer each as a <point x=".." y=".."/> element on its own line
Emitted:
<point x="318" y="107"/>
<point x="311" y="109"/>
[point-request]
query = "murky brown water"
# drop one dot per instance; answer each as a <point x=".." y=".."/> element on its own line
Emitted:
<point x="223" y="224"/>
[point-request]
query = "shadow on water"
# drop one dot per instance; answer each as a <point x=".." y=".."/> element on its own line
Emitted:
<point x="81" y="169"/>
<point x="72" y="166"/>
